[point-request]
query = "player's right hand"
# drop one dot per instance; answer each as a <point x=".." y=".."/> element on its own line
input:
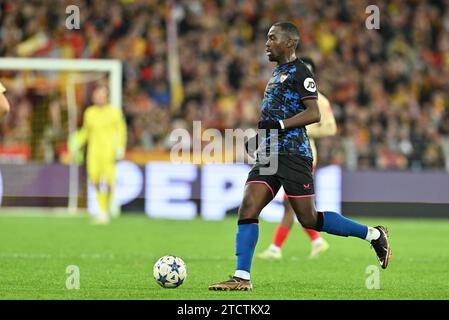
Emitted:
<point x="269" y="124"/>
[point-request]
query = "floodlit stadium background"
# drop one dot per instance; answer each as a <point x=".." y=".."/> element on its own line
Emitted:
<point x="388" y="88"/>
<point x="170" y="63"/>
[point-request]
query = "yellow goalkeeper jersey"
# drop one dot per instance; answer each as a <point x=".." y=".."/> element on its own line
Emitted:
<point x="104" y="130"/>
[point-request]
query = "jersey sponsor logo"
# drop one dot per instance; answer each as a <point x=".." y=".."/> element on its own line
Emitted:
<point x="283" y="77"/>
<point x="309" y="85"/>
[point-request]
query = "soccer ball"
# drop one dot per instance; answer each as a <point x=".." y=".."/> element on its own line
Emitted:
<point x="170" y="271"/>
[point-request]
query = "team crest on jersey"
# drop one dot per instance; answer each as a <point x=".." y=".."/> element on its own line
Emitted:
<point x="309" y="85"/>
<point x="283" y="77"/>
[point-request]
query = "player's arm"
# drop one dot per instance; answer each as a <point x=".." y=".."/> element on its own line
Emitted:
<point x="310" y="115"/>
<point x="306" y="87"/>
<point x="83" y="132"/>
<point x="4" y="104"/>
<point x="78" y="139"/>
<point x="327" y="126"/>
<point x="122" y="135"/>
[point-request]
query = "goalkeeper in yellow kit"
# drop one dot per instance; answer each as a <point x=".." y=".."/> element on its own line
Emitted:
<point x="104" y="131"/>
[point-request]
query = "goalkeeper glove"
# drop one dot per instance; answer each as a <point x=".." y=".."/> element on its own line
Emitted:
<point x="75" y="144"/>
<point x="120" y="154"/>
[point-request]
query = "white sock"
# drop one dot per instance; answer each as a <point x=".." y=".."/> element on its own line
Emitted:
<point x="373" y="234"/>
<point x="242" y="274"/>
<point x="274" y="248"/>
<point x="317" y="242"/>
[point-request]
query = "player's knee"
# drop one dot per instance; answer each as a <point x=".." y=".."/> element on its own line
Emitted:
<point x="289" y="217"/>
<point x="248" y="209"/>
<point x="308" y="222"/>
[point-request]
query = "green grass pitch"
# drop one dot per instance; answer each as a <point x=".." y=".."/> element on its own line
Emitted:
<point x="116" y="261"/>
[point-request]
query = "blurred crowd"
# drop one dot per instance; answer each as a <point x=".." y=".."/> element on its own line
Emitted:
<point x="388" y="86"/>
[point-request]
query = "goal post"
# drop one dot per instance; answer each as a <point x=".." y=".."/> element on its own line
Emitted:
<point x="113" y="67"/>
<point x="76" y="69"/>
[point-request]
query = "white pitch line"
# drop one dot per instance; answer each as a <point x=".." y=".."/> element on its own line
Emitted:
<point x="38" y="213"/>
<point x="26" y="255"/>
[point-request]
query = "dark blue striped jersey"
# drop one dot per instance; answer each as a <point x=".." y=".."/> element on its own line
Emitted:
<point x="290" y="84"/>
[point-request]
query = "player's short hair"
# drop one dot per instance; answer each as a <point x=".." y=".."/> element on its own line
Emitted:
<point x="289" y="28"/>
<point x="309" y="62"/>
<point x="102" y="86"/>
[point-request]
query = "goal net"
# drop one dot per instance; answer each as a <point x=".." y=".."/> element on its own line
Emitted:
<point x="48" y="98"/>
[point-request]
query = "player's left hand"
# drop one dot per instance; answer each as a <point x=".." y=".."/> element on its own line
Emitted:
<point x="269" y="124"/>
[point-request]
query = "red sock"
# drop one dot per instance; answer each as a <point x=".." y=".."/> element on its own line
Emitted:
<point x="280" y="235"/>
<point x="313" y="234"/>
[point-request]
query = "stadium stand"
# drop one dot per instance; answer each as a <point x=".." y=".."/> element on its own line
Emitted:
<point x="388" y="87"/>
